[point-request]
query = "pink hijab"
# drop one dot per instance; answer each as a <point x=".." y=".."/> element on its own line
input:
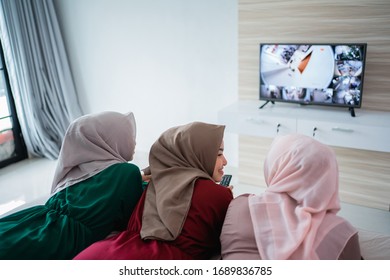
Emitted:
<point x="92" y="143"/>
<point x="299" y="207"/>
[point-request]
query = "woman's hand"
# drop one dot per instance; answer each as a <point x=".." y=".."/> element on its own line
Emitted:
<point x="230" y="188"/>
<point x="146" y="178"/>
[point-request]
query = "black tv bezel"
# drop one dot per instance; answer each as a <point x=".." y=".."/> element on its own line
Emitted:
<point x="333" y="45"/>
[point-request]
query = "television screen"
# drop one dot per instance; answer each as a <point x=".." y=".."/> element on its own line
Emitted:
<point x="317" y="74"/>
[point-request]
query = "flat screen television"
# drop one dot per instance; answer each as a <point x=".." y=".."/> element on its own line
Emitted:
<point x="313" y="74"/>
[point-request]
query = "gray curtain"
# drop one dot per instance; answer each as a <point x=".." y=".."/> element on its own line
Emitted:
<point x="40" y="77"/>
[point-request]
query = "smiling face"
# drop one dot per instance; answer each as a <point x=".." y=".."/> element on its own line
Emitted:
<point x="219" y="164"/>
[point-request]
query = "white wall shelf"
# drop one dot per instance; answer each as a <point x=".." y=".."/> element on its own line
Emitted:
<point x="369" y="130"/>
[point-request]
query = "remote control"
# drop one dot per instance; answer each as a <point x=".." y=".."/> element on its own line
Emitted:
<point x="225" y="180"/>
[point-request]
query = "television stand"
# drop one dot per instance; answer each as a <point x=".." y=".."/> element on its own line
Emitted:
<point x="352" y="110"/>
<point x="261" y="107"/>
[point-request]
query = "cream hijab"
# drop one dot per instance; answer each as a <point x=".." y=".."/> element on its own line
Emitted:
<point x="180" y="156"/>
<point x="302" y="196"/>
<point x="93" y="143"/>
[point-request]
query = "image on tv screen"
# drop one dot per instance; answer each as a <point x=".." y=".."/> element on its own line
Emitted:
<point x="326" y="74"/>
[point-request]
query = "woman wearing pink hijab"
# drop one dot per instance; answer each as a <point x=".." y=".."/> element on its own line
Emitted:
<point x="94" y="192"/>
<point x="296" y="217"/>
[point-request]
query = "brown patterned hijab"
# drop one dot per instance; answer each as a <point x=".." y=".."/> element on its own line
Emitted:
<point x="180" y="156"/>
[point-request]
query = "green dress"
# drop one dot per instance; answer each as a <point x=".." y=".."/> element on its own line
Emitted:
<point x="73" y="218"/>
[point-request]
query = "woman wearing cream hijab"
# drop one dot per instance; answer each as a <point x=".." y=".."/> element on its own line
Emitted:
<point x="296" y="217"/>
<point x="181" y="213"/>
<point x="94" y="192"/>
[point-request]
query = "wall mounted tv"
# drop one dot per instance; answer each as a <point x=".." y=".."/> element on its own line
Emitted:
<point x="313" y="74"/>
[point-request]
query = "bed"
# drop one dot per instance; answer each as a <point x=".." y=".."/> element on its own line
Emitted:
<point x="373" y="245"/>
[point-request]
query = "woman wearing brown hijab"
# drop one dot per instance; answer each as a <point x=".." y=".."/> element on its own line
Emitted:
<point x="181" y="213"/>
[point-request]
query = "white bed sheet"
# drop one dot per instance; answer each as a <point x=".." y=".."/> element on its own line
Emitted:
<point x="374" y="246"/>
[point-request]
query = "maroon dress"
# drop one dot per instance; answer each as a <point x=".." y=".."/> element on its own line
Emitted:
<point x="199" y="238"/>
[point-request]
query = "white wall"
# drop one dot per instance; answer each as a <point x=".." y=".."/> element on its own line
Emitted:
<point x="168" y="61"/>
